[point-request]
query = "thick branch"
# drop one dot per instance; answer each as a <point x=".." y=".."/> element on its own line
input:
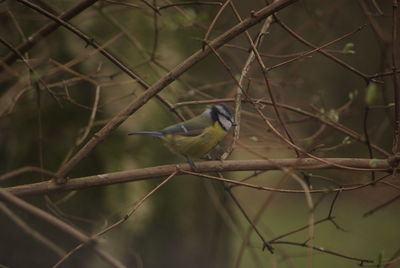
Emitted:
<point x="201" y="167"/>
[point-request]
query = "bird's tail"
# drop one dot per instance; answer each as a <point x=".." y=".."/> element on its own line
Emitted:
<point x="147" y="133"/>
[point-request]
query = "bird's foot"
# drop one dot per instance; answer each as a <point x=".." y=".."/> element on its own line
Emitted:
<point x="192" y="165"/>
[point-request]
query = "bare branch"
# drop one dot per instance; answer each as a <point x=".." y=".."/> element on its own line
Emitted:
<point x="208" y="166"/>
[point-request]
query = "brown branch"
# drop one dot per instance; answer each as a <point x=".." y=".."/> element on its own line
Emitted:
<point x="206" y="166"/>
<point x="376" y="27"/>
<point x="244" y="74"/>
<point x="214" y="21"/>
<point x="189" y="3"/>
<point x="361" y="260"/>
<point x="396" y="86"/>
<point x="27" y="169"/>
<point x="117" y="2"/>
<point x="385" y="204"/>
<point x="297" y="230"/>
<point x="387" y="73"/>
<point x="91" y="118"/>
<point x="150" y="6"/>
<point x="284" y="55"/>
<point x="155" y="36"/>
<point x="367" y="139"/>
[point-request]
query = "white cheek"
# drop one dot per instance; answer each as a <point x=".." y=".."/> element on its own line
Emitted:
<point x="225" y="122"/>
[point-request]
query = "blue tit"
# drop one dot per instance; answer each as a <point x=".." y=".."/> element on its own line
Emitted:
<point x="196" y="137"/>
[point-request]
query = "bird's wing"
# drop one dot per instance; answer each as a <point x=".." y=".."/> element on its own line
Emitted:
<point x="147" y="133"/>
<point x="182" y="130"/>
<point x="192" y="127"/>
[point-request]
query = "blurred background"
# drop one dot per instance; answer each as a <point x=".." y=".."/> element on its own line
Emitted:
<point x="49" y="111"/>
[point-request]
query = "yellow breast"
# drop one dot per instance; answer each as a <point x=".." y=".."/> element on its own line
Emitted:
<point x="196" y="146"/>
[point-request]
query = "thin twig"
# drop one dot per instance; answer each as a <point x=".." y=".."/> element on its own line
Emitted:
<point x="91" y="118"/>
<point x="385" y="204"/>
<point x="256" y="219"/>
<point x="335" y="59"/>
<point x="123" y="3"/>
<point x="266" y="244"/>
<point x="122" y="220"/>
<point x="396" y="86"/>
<point x="304" y="54"/>
<point x="297" y="230"/>
<point x="214" y="21"/>
<point x="156" y="35"/>
<point x="311" y="220"/>
<point x="188" y="3"/>
<point x="27" y="169"/>
<point x="150" y="6"/>
<point x="320" y="249"/>
<point x="367" y="140"/>
<point x="6" y="196"/>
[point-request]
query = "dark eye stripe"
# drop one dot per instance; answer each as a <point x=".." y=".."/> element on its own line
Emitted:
<point x="227" y="110"/>
<point x="224" y="111"/>
<point x="226" y="117"/>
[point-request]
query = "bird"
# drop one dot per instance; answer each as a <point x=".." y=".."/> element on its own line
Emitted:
<point x="195" y="137"/>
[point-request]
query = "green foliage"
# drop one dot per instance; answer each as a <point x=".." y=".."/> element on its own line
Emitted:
<point x="253" y="138"/>
<point x="353" y="94"/>
<point x="391" y="105"/>
<point x="349" y="48"/>
<point x="373" y="163"/>
<point x="346" y="140"/>
<point x="331" y="115"/>
<point x="372" y="94"/>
